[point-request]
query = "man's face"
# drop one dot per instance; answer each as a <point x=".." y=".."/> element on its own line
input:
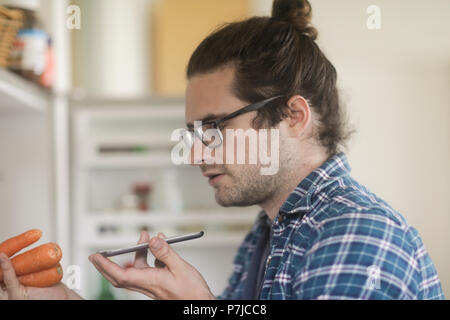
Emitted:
<point x="209" y="96"/>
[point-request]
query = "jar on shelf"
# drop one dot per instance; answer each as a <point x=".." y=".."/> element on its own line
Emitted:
<point x="142" y="191"/>
<point x="29" y="54"/>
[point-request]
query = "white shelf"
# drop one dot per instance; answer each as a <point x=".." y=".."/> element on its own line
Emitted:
<point x="128" y="162"/>
<point x="182" y="218"/>
<point x="128" y="219"/>
<point x="19" y="95"/>
<point x="105" y="110"/>
<point x="114" y="139"/>
<point x="104" y="177"/>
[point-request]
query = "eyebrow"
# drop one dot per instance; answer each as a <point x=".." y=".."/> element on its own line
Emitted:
<point x="208" y="117"/>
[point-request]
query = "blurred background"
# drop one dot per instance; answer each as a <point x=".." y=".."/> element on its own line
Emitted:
<point x="90" y="92"/>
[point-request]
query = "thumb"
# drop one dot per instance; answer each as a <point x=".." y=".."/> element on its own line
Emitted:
<point x="12" y="284"/>
<point x="140" y="260"/>
<point x="164" y="253"/>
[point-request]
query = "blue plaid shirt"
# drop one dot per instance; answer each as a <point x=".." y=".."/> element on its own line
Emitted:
<point x="334" y="239"/>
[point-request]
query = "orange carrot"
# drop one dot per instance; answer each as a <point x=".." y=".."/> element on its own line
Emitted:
<point x="17" y="243"/>
<point x="37" y="259"/>
<point x="44" y="278"/>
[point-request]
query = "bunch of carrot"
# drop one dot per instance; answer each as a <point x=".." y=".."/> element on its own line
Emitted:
<point x="38" y="267"/>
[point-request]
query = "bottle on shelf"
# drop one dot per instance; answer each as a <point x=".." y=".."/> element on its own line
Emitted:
<point x="142" y="191"/>
<point x="106" y="291"/>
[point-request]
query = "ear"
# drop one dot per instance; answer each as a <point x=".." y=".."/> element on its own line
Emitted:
<point x="298" y="115"/>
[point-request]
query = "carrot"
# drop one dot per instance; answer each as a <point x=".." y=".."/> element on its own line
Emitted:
<point x="37" y="259"/>
<point x="17" y="243"/>
<point x="44" y="278"/>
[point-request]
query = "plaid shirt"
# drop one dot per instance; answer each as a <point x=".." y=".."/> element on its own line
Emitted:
<point x="334" y="239"/>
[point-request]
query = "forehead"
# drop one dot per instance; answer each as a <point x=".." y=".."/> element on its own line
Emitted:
<point x="210" y="94"/>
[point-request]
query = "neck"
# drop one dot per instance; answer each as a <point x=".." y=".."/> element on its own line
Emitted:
<point x="294" y="176"/>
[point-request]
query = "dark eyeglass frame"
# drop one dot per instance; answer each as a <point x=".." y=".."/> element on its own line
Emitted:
<point x="217" y="122"/>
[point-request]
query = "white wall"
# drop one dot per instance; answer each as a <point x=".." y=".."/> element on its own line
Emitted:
<point x="25" y="176"/>
<point x="395" y="82"/>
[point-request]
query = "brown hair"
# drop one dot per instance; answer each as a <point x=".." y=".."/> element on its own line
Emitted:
<point x="277" y="55"/>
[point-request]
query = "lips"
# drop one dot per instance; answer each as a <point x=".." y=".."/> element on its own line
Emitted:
<point x="211" y="174"/>
<point x="213" y="177"/>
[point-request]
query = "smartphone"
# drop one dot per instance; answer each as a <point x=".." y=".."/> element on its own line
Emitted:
<point x="142" y="246"/>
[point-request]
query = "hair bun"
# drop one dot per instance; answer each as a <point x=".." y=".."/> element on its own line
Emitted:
<point x="296" y="12"/>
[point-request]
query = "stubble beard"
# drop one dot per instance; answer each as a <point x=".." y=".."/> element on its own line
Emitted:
<point x="248" y="187"/>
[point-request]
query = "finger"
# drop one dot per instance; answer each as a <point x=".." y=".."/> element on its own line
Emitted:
<point x="150" y="280"/>
<point x="9" y="276"/>
<point x="110" y="270"/>
<point x="140" y="261"/>
<point x="161" y="235"/>
<point x="107" y="277"/>
<point x="164" y="252"/>
<point x="3" y="293"/>
<point x="159" y="264"/>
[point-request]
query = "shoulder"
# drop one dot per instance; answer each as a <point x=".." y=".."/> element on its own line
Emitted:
<point x="352" y="213"/>
<point x="354" y="230"/>
<point x="351" y="205"/>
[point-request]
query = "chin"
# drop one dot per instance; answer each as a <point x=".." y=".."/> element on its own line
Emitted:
<point x="228" y="201"/>
<point x="222" y="202"/>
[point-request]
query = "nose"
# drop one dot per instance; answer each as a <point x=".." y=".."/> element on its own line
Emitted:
<point x="196" y="152"/>
<point x="201" y="154"/>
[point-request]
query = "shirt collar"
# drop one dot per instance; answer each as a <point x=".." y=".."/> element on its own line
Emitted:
<point x="263" y="218"/>
<point x="332" y="169"/>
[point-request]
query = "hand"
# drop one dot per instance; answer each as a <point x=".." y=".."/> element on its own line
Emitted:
<point x="13" y="290"/>
<point x="172" y="278"/>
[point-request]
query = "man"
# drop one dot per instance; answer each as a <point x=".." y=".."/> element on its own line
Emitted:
<point x="320" y="234"/>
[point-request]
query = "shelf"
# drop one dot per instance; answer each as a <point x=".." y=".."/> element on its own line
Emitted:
<point x="129" y="162"/>
<point x="117" y="110"/>
<point x="213" y="237"/>
<point x="147" y="139"/>
<point x="183" y="218"/>
<point x="20" y="95"/>
<point x="207" y="241"/>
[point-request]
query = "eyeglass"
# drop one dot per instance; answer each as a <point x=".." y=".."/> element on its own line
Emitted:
<point x="210" y="132"/>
